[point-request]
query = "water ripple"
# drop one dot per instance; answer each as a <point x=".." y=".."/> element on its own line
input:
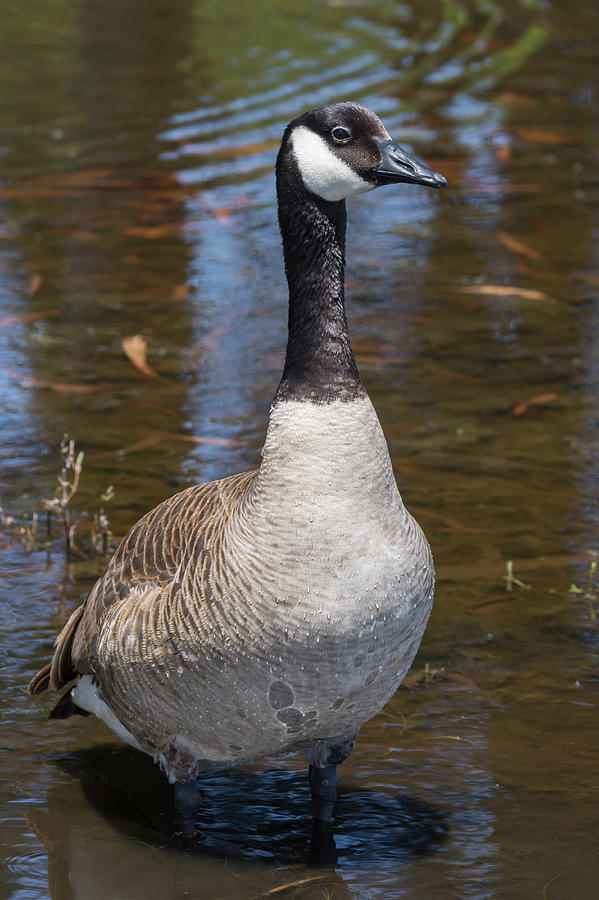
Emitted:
<point x="378" y="60"/>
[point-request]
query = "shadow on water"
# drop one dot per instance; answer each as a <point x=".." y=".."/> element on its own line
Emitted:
<point x="247" y="815"/>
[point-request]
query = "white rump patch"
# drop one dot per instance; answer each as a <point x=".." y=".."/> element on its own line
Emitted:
<point x="85" y="695"/>
<point x="322" y="172"/>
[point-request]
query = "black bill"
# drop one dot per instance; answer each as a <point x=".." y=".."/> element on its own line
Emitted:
<point x="398" y="165"/>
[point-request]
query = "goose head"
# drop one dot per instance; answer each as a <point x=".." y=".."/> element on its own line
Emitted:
<point x="344" y="149"/>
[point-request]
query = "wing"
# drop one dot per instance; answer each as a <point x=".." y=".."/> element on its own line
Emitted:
<point x="142" y="569"/>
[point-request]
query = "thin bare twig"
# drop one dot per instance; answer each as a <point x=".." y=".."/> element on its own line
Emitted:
<point x="290" y="884"/>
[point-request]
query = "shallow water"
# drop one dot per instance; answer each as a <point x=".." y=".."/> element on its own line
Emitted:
<point x="137" y="196"/>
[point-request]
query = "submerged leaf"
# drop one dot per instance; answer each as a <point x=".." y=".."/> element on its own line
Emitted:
<point x="151" y="440"/>
<point x="209" y="151"/>
<point x="152" y="231"/>
<point x="514" y="98"/>
<point x="502" y="290"/>
<point x="366" y="345"/>
<point x="197" y="439"/>
<point x="35" y="284"/>
<point x="136" y="349"/>
<point x="180" y="292"/>
<point x="503" y="153"/>
<point x="57" y="385"/>
<point x="23" y="318"/>
<point x="539" y="400"/>
<point x="155" y="438"/>
<point x="222" y="214"/>
<point x="540" y="135"/>
<point x="516" y="246"/>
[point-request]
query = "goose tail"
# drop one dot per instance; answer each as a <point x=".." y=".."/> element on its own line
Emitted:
<point x="66" y="707"/>
<point x="60" y="670"/>
<point x="40" y="681"/>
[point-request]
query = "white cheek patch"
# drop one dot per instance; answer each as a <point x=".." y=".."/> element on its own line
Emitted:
<point x="322" y="172"/>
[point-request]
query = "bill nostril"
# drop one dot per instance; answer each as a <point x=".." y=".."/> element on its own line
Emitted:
<point x="397" y="157"/>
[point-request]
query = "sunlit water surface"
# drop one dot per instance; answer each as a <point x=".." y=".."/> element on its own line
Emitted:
<point x="137" y="197"/>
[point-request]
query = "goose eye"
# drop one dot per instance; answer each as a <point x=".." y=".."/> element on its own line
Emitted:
<point x="340" y="135"/>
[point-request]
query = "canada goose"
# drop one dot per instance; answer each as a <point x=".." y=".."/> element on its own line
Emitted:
<point x="279" y="608"/>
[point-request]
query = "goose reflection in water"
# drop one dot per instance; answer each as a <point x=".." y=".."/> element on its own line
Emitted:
<point x="108" y="832"/>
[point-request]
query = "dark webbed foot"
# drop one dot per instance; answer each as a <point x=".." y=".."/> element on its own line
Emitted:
<point x="188" y="802"/>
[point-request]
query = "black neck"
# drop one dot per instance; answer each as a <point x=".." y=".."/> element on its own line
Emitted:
<point x="319" y="364"/>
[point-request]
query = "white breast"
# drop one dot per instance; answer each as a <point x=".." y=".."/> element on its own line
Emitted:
<point x="326" y="511"/>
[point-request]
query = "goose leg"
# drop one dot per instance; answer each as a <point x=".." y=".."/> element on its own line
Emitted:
<point x="323" y="758"/>
<point x="323" y="785"/>
<point x="188" y="802"/>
